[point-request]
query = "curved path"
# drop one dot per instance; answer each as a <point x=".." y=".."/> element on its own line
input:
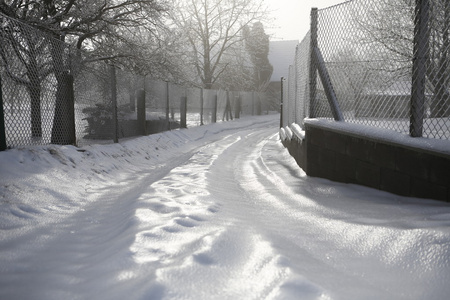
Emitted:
<point x="230" y="216"/>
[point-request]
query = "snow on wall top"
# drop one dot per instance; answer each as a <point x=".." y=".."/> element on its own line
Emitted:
<point x="384" y="135"/>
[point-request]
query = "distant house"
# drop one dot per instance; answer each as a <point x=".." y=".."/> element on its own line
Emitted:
<point x="281" y="56"/>
<point x="390" y="101"/>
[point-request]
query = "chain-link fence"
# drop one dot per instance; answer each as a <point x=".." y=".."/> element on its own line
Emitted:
<point x="36" y="86"/>
<point x="382" y="63"/>
<point x="142" y="105"/>
<point x="50" y="93"/>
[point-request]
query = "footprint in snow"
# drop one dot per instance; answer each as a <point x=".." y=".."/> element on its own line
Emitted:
<point x="204" y="259"/>
<point x="163" y="209"/>
<point x="171" y="229"/>
<point x="185" y="223"/>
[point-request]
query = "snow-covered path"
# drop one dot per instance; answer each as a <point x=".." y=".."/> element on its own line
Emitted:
<point x="216" y="212"/>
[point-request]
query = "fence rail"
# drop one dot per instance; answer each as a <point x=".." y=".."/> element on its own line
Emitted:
<point x="49" y="95"/>
<point x="380" y="63"/>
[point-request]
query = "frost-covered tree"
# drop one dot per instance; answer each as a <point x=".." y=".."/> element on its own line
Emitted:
<point x="25" y="61"/>
<point x="388" y="28"/>
<point x="109" y="28"/>
<point x="238" y="76"/>
<point x="212" y="29"/>
<point x="106" y="29"/>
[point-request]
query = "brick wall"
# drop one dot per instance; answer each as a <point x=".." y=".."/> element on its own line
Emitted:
<point x="360" y="159"/>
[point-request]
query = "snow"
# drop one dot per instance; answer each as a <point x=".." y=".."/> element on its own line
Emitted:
<point x="384" y="135"/>
<point x="214" y="212"/>
<point x="289" y="133"/>
<point x="283" y="135"/>
<point x="298" y="131"/>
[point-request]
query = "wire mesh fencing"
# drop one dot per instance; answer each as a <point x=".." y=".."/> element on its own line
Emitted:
<point x="36" y="86"/>
<point x="143" y="105"/>
<point x="385" y="62"/>
<point x="53" y="94"/>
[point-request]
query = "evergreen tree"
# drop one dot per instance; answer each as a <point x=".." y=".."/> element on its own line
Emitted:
<point x="257" y="45"/>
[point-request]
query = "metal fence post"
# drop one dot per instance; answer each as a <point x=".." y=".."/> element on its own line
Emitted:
<point x="201" y="106"/>
<point x="230" y="112"/>
<point x="131" y="98"/>
<point x="72" y="124"/>
<point x="258" y="105"/>
<point x="183" y="111"/>
<point x="253" y="103"/>
<point x="312" y="63"/>
<point x="296" y="96"/>
<point x="2" y="121"/>
<point x="141" y="122"/>
<point x="214" y="110"/>
<point x="113" y="79"/>
<point x="421" y="48"/>
<point x="281" y="102"/>
<point x="227" y="112"/>
<point x="237" y="107"/>
<point x="328" y="86"/>
<point x="167" y="106"/>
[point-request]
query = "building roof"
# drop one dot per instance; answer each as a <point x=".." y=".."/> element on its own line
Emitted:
<point x="281" y="56"/>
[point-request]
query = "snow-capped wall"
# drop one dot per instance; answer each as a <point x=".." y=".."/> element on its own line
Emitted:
<point x="400" y="165"/>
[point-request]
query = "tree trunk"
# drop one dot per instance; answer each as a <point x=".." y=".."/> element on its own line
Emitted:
<point x="34" y="91"/>
<point x="63" y="130"/>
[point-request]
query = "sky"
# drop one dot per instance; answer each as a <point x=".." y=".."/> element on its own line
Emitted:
<point x="291" y="17"/>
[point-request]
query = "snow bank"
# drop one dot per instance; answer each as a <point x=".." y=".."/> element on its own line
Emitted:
<point x="289" y="133"/>
<point x="298" y="131"/>
<point x="38" y="180"/>
<point x="282" y="133"/>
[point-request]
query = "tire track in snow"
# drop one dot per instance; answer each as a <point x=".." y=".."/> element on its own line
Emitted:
<point x="89" y="249"/>
<point x="234" y="184"/>
<point x="354" y="237"/>
<point x="130" y="236"/>
<point x="240" y="262"/>
<point x="232" y="217"/>
<point x="298" y="224"/>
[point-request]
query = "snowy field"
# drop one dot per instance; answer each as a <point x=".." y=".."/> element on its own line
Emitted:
<point x="214" y="212"/>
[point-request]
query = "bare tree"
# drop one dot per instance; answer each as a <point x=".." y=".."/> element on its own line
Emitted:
<point x="31" y="65"/>
<point x="90" y="25"/>
<point x="238" y="75"/>
<point x="438" y="63"/>
<point x="212" y="28"/>
<point x="389" y="25"/>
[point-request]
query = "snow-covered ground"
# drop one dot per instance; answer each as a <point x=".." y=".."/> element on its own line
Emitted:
<point x="214" y="212"/>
